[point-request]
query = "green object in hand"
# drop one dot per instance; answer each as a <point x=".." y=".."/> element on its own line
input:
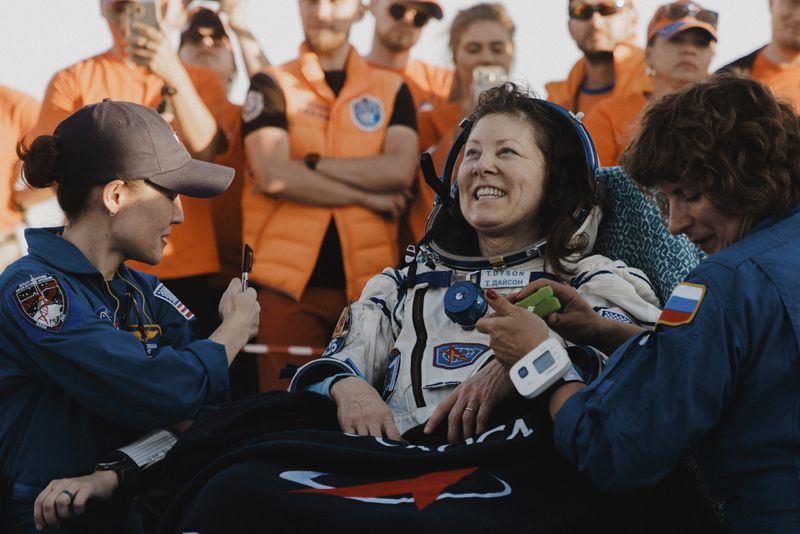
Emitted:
<point x="542" y="303"/>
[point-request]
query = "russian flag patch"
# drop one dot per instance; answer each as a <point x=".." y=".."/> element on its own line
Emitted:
<point x="682" y="305"/>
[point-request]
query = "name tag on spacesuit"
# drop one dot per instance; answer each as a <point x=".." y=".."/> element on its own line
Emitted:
<point x="503" y="278"/>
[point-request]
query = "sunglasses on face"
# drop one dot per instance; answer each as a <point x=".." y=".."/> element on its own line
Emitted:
<point x="398" y="13"/>
<point x="582" y="11"/>
<point x="678" y="11"/>
<point x="195" y="37"/>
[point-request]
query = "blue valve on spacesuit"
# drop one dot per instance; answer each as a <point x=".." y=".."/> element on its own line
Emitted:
<point x="464" y="303"/>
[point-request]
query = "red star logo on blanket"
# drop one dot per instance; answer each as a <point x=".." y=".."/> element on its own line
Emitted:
<point x="424" y="488"/>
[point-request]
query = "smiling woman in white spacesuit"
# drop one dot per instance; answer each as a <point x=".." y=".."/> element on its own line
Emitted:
<point x="526" y="206"/>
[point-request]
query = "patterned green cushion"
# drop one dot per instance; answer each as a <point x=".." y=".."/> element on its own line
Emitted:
<point x="632" y="231"/>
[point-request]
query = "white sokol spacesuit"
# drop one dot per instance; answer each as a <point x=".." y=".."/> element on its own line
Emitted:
<point x="399" y="335"/>
<point x="401" y="341"/>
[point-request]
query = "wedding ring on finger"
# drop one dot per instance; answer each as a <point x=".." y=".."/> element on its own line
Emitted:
<point x="69" y="494"/>
<point x="469" y="410"/>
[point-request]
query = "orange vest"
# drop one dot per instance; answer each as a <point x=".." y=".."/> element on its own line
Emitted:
<point x="18" y="113"/>
<point x="629" y="77"/>
<point x="286" y="236"/>
<point x="191" y="248"/>
<point x="613" y="123"/>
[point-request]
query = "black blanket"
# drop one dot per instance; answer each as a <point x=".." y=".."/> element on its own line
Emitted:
<point x="277" y="463"/>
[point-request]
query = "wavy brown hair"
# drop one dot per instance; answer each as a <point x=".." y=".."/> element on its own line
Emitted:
<point x="731" y="135"/>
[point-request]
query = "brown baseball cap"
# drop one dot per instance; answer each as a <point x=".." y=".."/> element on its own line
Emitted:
<point x="115" y="140"/>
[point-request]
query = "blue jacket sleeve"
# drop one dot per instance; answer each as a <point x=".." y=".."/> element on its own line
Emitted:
<point x="659" y="392"/>
<point x="107" y="369"/>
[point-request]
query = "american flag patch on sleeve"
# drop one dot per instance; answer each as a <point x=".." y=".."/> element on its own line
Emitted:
<point x="163" y="293"/>
<point x="682" y="305"/>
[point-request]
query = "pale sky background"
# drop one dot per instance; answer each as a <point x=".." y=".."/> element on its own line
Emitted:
<point x="39" y="37"/>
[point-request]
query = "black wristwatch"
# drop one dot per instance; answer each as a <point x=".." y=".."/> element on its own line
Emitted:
<point x="123" y="466"/>
<point x="311" y="160"/>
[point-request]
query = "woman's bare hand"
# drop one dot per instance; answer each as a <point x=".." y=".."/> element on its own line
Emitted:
<point x="470" y="406"/>
<point x="361" y="410"/>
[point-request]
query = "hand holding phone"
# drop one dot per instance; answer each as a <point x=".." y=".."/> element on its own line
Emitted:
<point x="143" y="12"/>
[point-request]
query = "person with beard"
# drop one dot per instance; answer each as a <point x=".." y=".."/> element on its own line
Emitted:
<point x="331" y="144"/>
<point x="777" y="64"/>
<point x="612" y="65"/>
<point x="398" y="27"/>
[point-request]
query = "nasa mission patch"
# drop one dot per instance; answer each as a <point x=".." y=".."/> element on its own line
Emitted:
<point x="42" y="301"/>
<point x="367" y="112"/>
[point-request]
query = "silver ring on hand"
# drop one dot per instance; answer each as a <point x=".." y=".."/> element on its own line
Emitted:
<point x="470" y="410"/>
<point x="69" y="494"/>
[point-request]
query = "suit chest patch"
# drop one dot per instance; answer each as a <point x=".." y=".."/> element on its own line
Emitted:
<point x="457" y="355"/>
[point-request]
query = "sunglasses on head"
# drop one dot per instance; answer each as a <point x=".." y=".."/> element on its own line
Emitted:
<point x="582" y="11"/>
<point x="678" y="11"/>
<point x="398" y="12"/>
<point x="126" y="8"/>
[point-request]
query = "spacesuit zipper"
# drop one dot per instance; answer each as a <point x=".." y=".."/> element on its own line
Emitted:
<point x="419" y="347"/>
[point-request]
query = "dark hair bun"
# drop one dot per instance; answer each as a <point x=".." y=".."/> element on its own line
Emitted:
<point x="39" y="161"/>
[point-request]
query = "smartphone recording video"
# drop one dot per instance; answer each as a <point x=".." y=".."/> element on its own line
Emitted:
<point x="485" y="77"/>
<point x="143" y="12"/>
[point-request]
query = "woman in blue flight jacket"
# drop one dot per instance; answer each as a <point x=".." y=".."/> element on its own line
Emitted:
<point x="93" y="354"/>
<point x="719" y="378"/>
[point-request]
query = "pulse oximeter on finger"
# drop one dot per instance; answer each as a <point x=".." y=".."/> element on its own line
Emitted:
<point x="540" y="368"/>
